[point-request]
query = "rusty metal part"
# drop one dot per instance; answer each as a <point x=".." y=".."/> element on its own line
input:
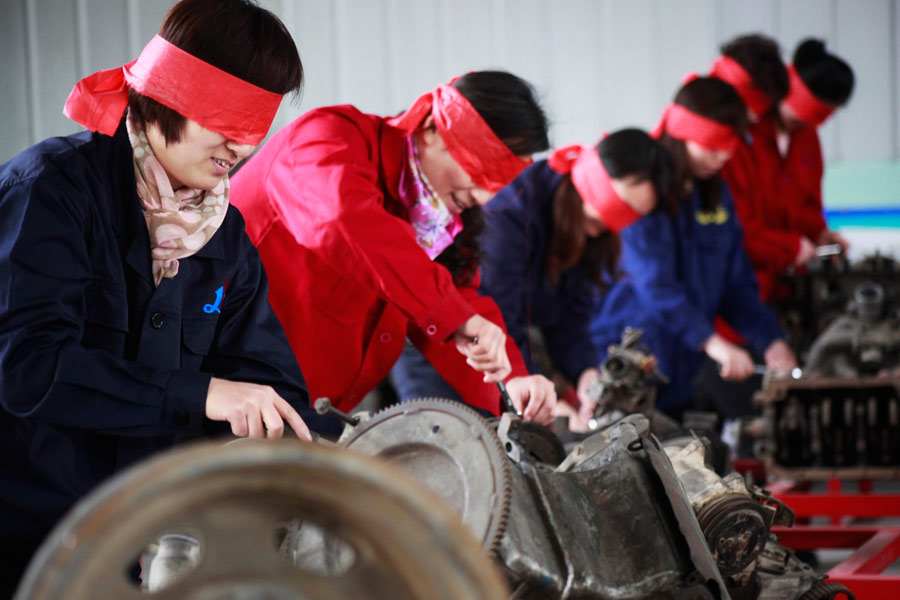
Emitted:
<point x="324" y="407"/>
<point x="231" y="498"/>
<point x="612" y="523"/>
<point x="782" y="575"/>
<point x="528" y="439"/>
<point x="736" y="530"/>
<point x="628" y="377"/>
<point x="450" y="449"/>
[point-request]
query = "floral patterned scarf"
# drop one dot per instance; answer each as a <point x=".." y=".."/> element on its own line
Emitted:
<point x="435" y="227"/>
<point x="180" y="221"/>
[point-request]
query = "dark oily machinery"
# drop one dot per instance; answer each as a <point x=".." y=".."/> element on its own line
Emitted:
<point x="841" y="418"/>
<point x="227" y="519"/>
<point x="611" y="520"/>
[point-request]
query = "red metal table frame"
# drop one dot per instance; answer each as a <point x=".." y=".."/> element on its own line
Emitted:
<point x="876" y="547"/>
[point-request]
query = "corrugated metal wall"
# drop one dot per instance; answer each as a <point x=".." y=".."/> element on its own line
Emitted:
<point x="598" y="64"/>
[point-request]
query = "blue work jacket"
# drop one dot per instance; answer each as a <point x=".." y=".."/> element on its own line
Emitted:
<point x="99" y="368"/>
<point x="519" y="224"/>
<point x="680" y="273"/>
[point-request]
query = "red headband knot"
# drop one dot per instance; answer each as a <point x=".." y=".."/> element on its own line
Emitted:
<point x="730" y="71"/>
<point x="684" y="124"/>
<point x="806" y="106"/>
<point x="470" y="141"/>
<point x="593" y="185"/>
<point x="191" y="87"/>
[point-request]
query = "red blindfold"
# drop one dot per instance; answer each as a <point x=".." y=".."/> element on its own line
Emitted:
<point x="470" y="141"/>
<point x="730" y="71"/>
<point x="804" y="103"/>
<point x="683" y="124"/>
<point x="593" y="185"/>
<point x="191" y="87"/>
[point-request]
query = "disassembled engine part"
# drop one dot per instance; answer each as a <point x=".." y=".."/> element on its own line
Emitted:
<point x="735" y="519"/>
<point x="453" y="451"/>
<point x="824" y="427"/>
<point x="233" y="499"/>
<point x="628" y="377"/>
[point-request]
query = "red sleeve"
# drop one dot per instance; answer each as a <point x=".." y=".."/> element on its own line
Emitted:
<point x="325" y="188"/>
<point x="807" y="169"/>
<point x="452" y="365"/>
<point x="766" y="246"/>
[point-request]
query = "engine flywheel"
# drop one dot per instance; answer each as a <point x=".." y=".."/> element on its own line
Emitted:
<point x="453" y="451"/>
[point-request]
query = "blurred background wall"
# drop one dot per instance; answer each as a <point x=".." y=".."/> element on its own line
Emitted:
<point x="597" y="64"/>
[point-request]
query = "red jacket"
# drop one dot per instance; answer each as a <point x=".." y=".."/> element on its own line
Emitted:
<point x="778" y="199"/>
<point x="347" y="278"/>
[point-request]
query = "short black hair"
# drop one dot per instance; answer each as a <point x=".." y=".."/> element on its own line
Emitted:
<point x="827" y="76"/>
<point x="760" y="56"/>
<point x="236" y="36"/>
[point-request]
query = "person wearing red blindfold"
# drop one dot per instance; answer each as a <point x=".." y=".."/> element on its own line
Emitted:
<point x="778" y="178"/>
<point x="753" y="66"/>
<point x="134" y="309"/>
<point x="551" y="239"/>
<point x="368" y="227"/>
<point x="685" y="264"/>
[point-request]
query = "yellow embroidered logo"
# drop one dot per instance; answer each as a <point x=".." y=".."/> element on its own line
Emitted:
<point x="713" y="217"/>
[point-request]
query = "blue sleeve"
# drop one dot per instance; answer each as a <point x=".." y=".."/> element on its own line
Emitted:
<point x="505" y="268"/>
<point x="650" y="257"/>
<point x="568" y="339"/>
<point x="741" y="305"/>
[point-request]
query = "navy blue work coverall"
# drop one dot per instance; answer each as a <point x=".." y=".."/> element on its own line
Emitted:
<point x="518" y="226"/>
<point x="98" y="367"/>
<point x="680" y="273"/>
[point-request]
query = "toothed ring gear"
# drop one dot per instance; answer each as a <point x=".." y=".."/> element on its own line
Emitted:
<point x="453" y="451"/>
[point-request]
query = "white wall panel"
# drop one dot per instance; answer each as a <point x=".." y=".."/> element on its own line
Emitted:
<point x="864" y="126"/>
<point x="679" y="53"/>
<point x="736" y="17"/>
<point x="53" y="55"/>
<point x="15" y="99"/>
<point x="363" y="72"/>
<point x="576" y="93"/>
<point x="895" y="59"/>
<point x="597" y="64"/>
<point x="414" y="53"/>
<point x="628" y="50"/>
<point x="466" y="31"/>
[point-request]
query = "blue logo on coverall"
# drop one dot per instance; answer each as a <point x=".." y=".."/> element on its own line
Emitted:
<point x="211" y="308"/>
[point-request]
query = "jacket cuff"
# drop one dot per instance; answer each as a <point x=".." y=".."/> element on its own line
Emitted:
<point x="445" y="317"/>
<point x="185" y="404"/>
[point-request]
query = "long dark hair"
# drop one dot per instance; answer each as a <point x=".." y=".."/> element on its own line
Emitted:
<point x="714" y="99"/>
<point x="236" y="36"/>
<point x="827" y="76"/>
<point x="625" y="153"/>
<point x="509" y="106"/>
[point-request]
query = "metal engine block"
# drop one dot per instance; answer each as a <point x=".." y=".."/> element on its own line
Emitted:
<point x="619" y="517"/>
<point x="842" y="417"/>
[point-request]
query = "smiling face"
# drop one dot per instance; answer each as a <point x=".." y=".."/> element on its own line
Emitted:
<point x="703" y="162"/>
<point x="200" y="160"/>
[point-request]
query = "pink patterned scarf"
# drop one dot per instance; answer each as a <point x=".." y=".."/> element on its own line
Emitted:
<point x="180" y="221"/>
<point x="435" y="227"/>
